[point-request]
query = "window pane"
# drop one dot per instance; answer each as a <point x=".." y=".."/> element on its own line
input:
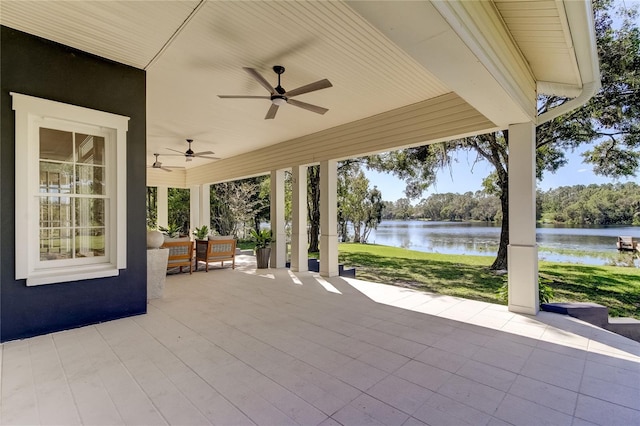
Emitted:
<point x="56" y="145"/>
<point x="55" y="212"/>
<point x="90" y="149"/>
<point x="89" y="212"/>
<point x="55" y="244"/>
<point x="89" y="242"/>
<point x="90" y="180"/>
<point x="55" y="177"/>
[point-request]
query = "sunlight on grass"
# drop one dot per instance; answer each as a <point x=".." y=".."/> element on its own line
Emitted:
<point x="618" y="288"/>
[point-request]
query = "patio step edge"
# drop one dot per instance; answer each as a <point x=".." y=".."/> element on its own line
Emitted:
<point x="597" y="315"/>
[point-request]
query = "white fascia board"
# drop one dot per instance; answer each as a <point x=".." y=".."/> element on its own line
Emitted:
<point x="583" y="34"/>
<point x="580" y="19"/>
<point x="431" y="33"/>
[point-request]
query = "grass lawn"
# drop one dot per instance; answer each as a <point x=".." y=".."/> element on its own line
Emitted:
<point x="617" y="288"/>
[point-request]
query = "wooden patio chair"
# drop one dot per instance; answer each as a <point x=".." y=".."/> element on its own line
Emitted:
<point x="216" y="249"/>
<point x="180" y="253"/>
<point x="625" y="243"/>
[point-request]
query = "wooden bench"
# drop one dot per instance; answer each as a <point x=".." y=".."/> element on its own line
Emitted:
<point x="216" y="249"/>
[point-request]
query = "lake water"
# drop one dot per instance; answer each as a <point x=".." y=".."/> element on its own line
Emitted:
<point x="592" y="245"/>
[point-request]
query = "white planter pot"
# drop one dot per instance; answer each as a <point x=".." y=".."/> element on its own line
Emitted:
<point x="154" y="239"/>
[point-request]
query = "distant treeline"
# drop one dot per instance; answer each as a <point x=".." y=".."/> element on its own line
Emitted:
<point x="607" y="204"/>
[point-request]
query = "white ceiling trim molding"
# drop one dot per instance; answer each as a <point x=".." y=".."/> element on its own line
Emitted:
<point x="129" y="32"/>
<point x="175" y="34"/>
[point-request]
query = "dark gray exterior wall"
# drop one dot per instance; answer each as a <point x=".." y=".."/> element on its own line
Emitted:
<point x="37" y="67"/>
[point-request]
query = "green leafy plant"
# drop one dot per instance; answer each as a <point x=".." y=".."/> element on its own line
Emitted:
<point x="262" y="238"/>
<point x="545" y="291"/>
<point x="201" y="233"/>
<point x="173" y="231"/>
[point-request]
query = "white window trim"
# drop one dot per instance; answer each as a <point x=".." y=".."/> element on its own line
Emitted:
<point x="29" y="112"/>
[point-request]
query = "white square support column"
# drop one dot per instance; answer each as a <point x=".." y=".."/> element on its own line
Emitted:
<point x="199" y="207"/>
<point x="522" y="250"/>
<point x="299" y="237"/>
<point x="205" y="205"/>
<point x="162" y="203"/>
<point x="329" y="218"/>
<point x="279" y="246"/>
<point x="194" y="208"/>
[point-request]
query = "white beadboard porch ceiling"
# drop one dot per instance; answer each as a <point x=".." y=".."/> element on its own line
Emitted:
<point x="195" y="50"/>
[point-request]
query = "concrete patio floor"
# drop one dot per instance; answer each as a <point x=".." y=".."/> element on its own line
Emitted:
<point x="271" y="347"/>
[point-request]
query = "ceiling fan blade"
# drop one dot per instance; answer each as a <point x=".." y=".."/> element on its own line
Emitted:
<point x="166" y="169"/>
<point x="198" y="154"/>
<point x="320" y="84"/>
<point x="174" y="150"/>
<point x="307" y="106"/>
<point x="243" y="97"/>
<point x="272" y="112"/>
<point x="260" y="79"/>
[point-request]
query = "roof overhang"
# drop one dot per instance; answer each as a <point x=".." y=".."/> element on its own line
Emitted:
<point x="404" y="73"/>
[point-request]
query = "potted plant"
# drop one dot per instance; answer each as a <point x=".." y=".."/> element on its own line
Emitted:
<point x="173" y="231"/>
<point x="262" y="240"/>
<point x="201" y="233"/>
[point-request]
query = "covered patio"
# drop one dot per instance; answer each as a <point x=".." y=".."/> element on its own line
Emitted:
<point x="280" y="346"/>
<point x="402" y="74"/>
<point x="272" y="347"/>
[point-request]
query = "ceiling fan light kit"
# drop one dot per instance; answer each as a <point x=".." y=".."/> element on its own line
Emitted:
<point x="279" y="96"/>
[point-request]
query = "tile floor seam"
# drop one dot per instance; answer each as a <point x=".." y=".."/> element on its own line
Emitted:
<point x="95" y="328"/>
<point x="584" y="367"/>
<point x="456" y="401"/>
<point x="33" y="383"/>
<point x="575" y="404"/>
<point x="115" y="405"/>
<point x="239" y="360"/>
<point x="66" y="378"/>
<point x="475" y="408"/>
<point x="384" y="402"/>
<point x="35" y="390"/>
<point x="394" y="370"/>
<point x="186" y="364"/>
<point x="137" y="382"/>
<point x="609" y="402"/>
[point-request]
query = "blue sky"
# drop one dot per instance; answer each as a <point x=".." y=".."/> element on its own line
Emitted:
<point x="465" y="176"/>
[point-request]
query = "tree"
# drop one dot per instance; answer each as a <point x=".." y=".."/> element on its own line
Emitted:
<point x="238" y="206"/>
<point x="313" y="207"/>
<point x="610" y="120"/>
<point x="357" y="203"/>
<point x="152" y="207"/>
<point x="178" y="206"/>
